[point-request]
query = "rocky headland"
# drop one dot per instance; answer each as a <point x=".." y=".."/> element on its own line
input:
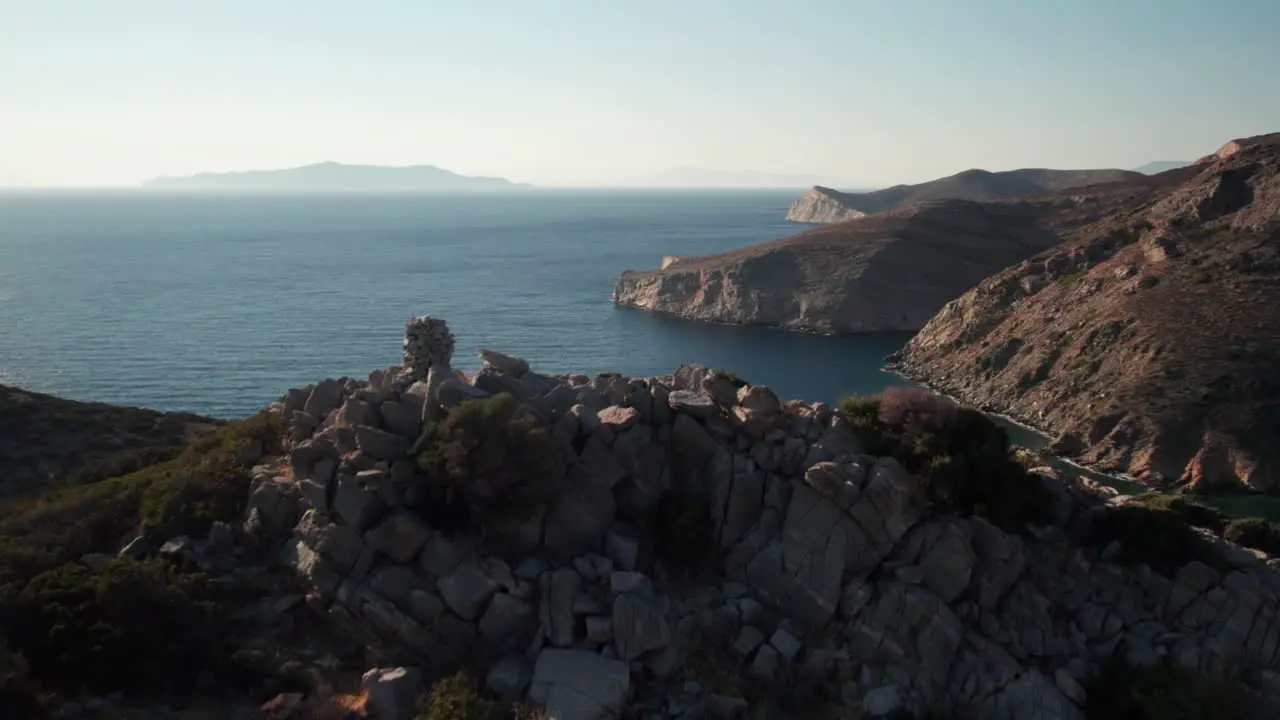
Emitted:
<point x="891" y="271"/>
<point x="513" y="544"/>
<point x="824" y="206"/>
<point x="1148" y="340"/>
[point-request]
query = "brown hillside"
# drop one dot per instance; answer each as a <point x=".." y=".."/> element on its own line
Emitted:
<point x="45" y="439"/>
<point x="1150" y="338"/>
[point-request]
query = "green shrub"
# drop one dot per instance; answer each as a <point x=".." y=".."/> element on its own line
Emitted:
<point x="1158" y="538"/>
<point x="1148" y="282"/>
<point x="456" y="698"/>
<point x="1255" y="533"/>
<point x="1167" y="692"/>
<point x="963" y="458"/>
<point x="498" y="455"/>
<point x="863" y="414"/>
<point x="730" y="376"/>
<point x="125" y="463"/>
<point x="135" y="626"/>
<point x="1193" y="513"/>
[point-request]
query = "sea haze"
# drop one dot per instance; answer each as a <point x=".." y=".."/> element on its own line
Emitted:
<point x="218" y="303"/>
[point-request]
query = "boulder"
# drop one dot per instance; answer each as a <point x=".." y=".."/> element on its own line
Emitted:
<point x="618" y="418"/>
<point x="324" y="398"/>
<point x="393" y="692"/>
<point x="508" y="623"/>
<point x="358" y="499"/>
<point x="580" y="685"/>
<point x="638" y="627"/>
<point x="696" y="404"/>
<point x="509" y="677"/>
<point x="559" y="589"/>
<point x="467" y="589"/>
<point x="380" y="444"/>
<point x="399" y="537"/>
<point x="401" y="418"/>
<point x="505" y="364"/>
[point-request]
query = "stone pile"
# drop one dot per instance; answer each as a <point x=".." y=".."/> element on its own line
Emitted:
<point x="833" y="566"/>
<point x="427" y="342"/>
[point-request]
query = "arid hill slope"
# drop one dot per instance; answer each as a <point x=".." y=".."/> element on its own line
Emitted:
<point x="45" y="439"/>
<point x="824" y="205"/>
<point x="1150" y="338"/>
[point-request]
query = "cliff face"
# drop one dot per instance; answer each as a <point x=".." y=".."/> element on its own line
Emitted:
<point x="888" y="272"/>
<point x="823" y="205"/>
<point x="1150" y="339"/>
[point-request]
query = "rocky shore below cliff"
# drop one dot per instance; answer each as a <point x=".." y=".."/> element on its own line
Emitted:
<point x="685" y="546"/>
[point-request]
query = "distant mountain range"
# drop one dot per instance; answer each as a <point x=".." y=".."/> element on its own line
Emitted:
<point x="336" y="176"/>
<point x="699" y="177"/>
<point x="1158" y="166"/>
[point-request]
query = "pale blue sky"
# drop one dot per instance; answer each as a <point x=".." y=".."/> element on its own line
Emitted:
<point x="111" y="92"/>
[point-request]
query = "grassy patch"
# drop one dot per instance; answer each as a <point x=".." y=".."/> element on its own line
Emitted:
<point x="1148" y="282"/>
<point x="1193" y="513"/>
<point x="456" y="698"/>
<point x="1158" y="538"/>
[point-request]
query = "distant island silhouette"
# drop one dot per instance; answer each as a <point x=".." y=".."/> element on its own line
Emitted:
<point x="336" y="176"/>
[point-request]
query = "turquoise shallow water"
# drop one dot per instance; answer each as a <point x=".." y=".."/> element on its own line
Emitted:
<point x="218" y="303"/>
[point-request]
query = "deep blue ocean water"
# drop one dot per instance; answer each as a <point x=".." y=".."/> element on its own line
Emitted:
<point x="218" y="303"/>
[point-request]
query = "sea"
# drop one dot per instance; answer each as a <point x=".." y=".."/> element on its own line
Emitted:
<point x="218" y="303"/>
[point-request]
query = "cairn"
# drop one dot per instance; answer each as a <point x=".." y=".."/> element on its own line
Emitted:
<point x="427" y="343"/>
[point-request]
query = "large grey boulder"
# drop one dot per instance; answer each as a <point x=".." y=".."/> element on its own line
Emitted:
<point x="580" y="685"/>
<point x="638" y="627"/>
<point x="467" y="589"/>
<point x="393" y="692"/>
<point x="399" y="537"/>
<point x="503" y="363"/>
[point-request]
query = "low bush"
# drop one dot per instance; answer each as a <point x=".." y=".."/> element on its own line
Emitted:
<point x="1158" y="538"/>
<point x="456" y="698"/>
<point x="963" y="458"/>
<point x="1167" y="692"/>
<point x="1192" y="512"/>
<point x="731" y="376"/>
<point x="497" y="455"/>
<point x="1148" y="282"/>
<point x="131" y="625"/>
<point x="135" y="626"/>
<point x="1255" y="533"/>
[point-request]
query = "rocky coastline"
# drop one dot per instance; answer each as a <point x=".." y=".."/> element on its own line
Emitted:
<point x="693" y="546"/>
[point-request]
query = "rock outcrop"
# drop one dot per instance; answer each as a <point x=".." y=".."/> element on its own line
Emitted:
<point x="814" y="560"/>
<point x="886" y="272"/>
<point x="824" y="205"/>
<point x="1148" y="340"/>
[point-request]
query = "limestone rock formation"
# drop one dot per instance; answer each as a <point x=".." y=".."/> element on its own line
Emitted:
<point x="1148" y="340"/>
<point x="824" y="205"/>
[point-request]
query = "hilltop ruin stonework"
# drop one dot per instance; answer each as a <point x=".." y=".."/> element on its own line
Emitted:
<point x="813" y="560"/>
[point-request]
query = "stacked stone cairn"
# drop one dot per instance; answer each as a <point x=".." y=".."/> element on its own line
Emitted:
<point x="830" y="565"/>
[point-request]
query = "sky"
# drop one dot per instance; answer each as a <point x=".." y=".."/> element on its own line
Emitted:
<point x="583" y="92"/>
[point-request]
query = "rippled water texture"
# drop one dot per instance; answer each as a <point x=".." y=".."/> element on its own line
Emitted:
<point x="219" y="303"/>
